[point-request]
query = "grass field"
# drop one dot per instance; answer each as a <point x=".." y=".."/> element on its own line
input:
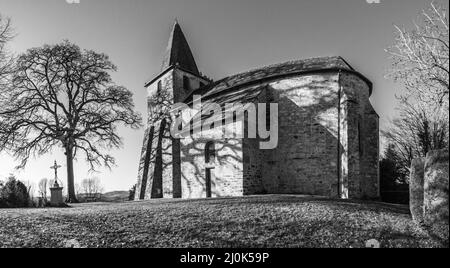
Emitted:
<point x="260" y="221"/>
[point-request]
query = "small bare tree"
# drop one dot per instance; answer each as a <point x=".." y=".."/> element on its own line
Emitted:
<point x="92" y="187"/>
<point x="42" y="188"/>
<point x="78" y="189"/>
<point x="64" y="96"/>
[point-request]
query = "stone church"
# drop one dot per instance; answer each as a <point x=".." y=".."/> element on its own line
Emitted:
<point x="328" y="132"/>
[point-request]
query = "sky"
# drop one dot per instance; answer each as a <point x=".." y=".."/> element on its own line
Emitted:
<point x="226" y="36"/>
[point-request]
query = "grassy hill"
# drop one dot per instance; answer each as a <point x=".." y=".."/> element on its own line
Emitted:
<point x="116" y="196"/>
<point x="261" y="221"/>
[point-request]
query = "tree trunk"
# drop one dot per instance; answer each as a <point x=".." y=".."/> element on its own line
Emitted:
<point x="71" y="196"/>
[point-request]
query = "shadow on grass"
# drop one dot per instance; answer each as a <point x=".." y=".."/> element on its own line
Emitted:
<point x="288" y="200"/>
<point x="292" y="199"/>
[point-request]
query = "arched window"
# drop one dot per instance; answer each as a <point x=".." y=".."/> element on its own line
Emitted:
<point x="159" y="87"/>
<point x="210" y="152"/>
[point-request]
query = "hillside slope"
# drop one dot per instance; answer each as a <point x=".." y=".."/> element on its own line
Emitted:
<point x="117" y="196"/>
<point x="261" y="221"/>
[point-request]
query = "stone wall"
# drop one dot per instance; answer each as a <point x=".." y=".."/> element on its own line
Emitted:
<point x="227" y="169"/>
<point x="254" y="160"/>
<point x="305" y="161"/>
<point x="436" y="194"/>
<point x="416" y="184"/>
<point x="429" y="188"/>
<point x="143" y="166"/>
<point x="361" y="132"/>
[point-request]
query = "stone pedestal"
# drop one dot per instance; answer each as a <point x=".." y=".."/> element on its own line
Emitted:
<point x="56" y="199"/>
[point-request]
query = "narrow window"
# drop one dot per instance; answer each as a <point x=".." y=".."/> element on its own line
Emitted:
<point x="186" y="83"/>
<point x="210" y="152"/>
<point x="210" y="156"/>
<point x="159" y="89"/>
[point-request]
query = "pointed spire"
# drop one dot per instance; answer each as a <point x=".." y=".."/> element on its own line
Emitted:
<point x="178" y="52"/>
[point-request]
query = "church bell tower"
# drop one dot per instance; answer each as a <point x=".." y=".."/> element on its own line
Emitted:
<point x="159" y="173"/>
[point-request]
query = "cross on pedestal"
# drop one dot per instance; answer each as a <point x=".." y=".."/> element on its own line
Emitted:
<point x="55" y="167"/>
<point x="56" y="199"/>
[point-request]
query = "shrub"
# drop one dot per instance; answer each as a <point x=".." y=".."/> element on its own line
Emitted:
<point x="132" y="193"/>
<point x="14" y="194"/>
<point x="393" y="180"/>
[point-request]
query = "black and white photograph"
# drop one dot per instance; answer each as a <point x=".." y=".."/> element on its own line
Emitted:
<point x="241" y="126"/>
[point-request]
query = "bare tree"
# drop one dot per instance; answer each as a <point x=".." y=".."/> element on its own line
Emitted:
<point x="92" y="187"/>
<point x="31" y="189"/>
<point x="42" y="188"/>
<point x="64" y="96"/>
<point x="421" y="56"/>
<point x="78" y="189"/>
<point x="420" y="59"/>
<point x="6" y="59"/>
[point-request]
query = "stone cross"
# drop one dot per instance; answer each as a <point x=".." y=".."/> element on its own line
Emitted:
<point x="55" y="167"/>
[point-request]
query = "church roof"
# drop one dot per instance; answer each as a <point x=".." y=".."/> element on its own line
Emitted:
<point x="230" y="85"/>
<point x="179" y="53"/>
<point x="246" y="87"/>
